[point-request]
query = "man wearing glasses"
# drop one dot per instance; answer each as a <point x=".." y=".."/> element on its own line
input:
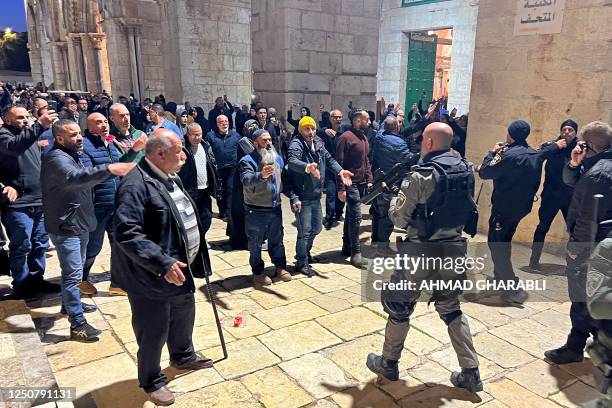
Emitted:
<point x="70" y="110"/>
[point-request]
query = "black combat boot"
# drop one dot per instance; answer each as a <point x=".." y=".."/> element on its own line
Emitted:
<point x="563" y="355"/>
<point x="518" y="296"/>
<point x="358" y="261"/>
<point x="379" y="365"/>
<point x="468" y="378"/>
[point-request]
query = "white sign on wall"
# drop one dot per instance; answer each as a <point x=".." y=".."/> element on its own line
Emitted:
<point x="538" y="17"/>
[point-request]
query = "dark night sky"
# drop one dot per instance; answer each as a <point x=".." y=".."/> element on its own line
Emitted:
<point x="13" y="15"/>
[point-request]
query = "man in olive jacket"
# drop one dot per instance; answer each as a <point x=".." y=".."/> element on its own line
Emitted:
<point x="159" y="249"/>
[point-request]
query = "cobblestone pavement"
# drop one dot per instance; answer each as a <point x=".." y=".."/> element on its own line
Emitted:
<point x="304" y="342"/>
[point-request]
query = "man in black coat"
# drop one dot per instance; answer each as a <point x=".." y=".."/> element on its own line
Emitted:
<point x="222" y="107"/>
<point x="589" y="172"/>
<point x="556" y="195"/>
<point x="69" y="216"/>
<point x="159" y="249"/>
<point x="23" y="218"/>
<point x="199" y="174"/>
<point x="515" y="169"/>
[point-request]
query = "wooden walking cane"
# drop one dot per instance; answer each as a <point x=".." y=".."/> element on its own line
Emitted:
<point x="211" y="296"/>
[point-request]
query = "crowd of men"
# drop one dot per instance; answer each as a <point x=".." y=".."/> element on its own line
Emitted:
<point x="75" y="168"/>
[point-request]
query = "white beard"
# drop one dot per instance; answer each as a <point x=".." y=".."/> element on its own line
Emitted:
<point x="268" y="156"/>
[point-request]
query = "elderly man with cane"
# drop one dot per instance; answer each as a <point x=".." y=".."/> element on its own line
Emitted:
<point x="308" y="160"/>
<point x="159" y="249"/>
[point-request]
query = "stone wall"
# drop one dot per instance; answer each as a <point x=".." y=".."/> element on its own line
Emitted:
<point x="543" y="79"/>
<point x="315" y="52"/>
<point x="190" y="50"/>
<point x="214" y="38"/>
<point x="397" y="21"/>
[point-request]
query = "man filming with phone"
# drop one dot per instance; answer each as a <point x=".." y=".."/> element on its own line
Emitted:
<point x="589" y="172"/>
<point x="20" y="164"/>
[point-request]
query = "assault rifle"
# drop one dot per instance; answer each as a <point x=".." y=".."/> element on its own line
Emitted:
<point x="383" y="181"/>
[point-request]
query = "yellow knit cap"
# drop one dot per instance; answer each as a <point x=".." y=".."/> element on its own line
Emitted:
<point x="307" y="121"/>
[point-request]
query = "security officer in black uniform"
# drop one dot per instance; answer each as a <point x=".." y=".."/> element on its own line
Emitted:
<point x="556" y="195"/>
<point x="590" y="173"/>
<point x="515" y="169"/>
<point x="599" y="302"/>
<point x="433" y="205"/>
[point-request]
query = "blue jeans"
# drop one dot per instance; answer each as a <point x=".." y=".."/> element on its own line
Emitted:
<point x="104" y="217"/>
<point x="308" y="226"/>
<point x="333" y="206"/>
<point x="264" y="223"/>
<point x="71" y="252"/>
<point x="28" y="243"/>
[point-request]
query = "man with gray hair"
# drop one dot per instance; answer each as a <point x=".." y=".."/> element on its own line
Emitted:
<point x="199" y="174"/>
<point x="261" y="174"/>
<point x="224" y="142"/>
<point x="159" y="249"/>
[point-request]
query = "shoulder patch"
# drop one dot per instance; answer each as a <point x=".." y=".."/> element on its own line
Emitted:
<point x="498" y="157"/>
<point x="401" y="199"/>
<point x="594" y="281"/>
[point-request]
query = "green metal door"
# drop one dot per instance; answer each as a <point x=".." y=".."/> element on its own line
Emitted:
<point x="421" y="68"/>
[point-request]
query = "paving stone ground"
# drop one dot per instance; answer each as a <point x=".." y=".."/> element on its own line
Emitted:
<point x="304" y="343"/>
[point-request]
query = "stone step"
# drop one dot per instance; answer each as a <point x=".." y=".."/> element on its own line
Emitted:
<point x="23" y="361"/>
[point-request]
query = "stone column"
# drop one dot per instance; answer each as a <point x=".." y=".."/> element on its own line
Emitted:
<point x="66" y="66"/>
<point x="138" y="63"/>
<point x="58" y="64"/>
<point x="97" y="44"/>
<point x="133" y="60"/>
<point x="79" y="64"/>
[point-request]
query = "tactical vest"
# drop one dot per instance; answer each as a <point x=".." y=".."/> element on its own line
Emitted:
<point x="450" y="205"/>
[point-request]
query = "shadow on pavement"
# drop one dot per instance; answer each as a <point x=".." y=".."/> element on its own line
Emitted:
<point x="546" y="269"/>
<point x="427" y="395"/>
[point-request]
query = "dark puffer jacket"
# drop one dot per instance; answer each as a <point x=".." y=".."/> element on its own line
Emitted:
<point x="225" y="148"/>
<point x="95" y="153"/>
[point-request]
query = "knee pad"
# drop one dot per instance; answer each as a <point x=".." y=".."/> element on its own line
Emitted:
<point x="449" y="317"/>
<point x="399" y="312"/>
